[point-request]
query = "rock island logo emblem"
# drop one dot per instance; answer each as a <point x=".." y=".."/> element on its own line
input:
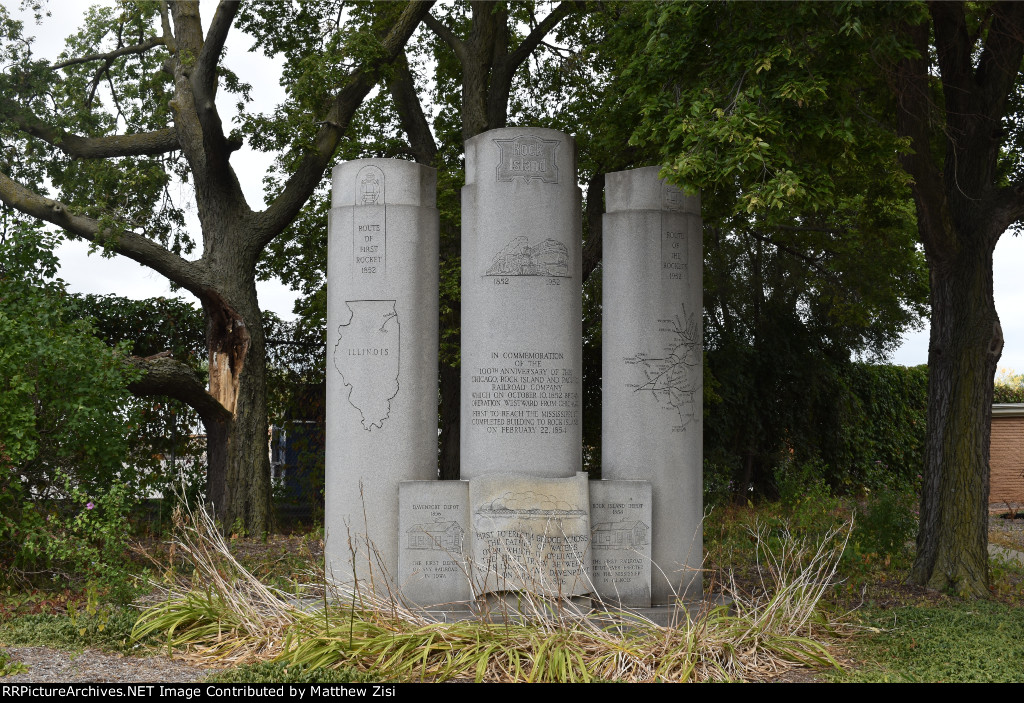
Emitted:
<point x="528" y="158"/>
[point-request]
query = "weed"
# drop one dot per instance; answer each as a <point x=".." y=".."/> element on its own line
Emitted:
<point x="10" y="668"/>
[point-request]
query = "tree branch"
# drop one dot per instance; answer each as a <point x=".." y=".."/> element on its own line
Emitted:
<point x="141" y="144"/>
<point x="1001" y="58"/>
<point x="410" y="113"/>
<point x="200" y="130"/>
<point x="595" y="231"/>
<point x="447" y="36"/>
<point x="812" y="262"/>
<point x="1004" y="206"/>
<point x="162" y="375"/>
<point x="111" y="55"/>
<point x="533" y="39"/>
<point x="311" y="167"/>
<point x="188" y="274"/>
<point x="205" y="73"/>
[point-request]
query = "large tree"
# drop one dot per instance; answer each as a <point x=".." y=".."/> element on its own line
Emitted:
<point x="92" y="143"/>
<point x="958" y="101"/>
<point x="782" y="101"/>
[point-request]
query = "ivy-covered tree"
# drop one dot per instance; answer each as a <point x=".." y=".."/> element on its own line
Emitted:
<point x="93" y="143"/>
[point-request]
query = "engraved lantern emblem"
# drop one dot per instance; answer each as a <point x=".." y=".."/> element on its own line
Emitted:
<point x="369" y="188"/>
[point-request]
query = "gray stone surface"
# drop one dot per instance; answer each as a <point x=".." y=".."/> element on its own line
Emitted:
<point x="530" y="534"/>
<point x="521" y="305"/>
<point x="620" y="529"/>
<point x="652" y="366"/>
<point x="433" y="518"/>
<point x="382" y="298"/>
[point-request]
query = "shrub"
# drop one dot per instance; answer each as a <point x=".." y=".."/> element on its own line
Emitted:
<point x="63" y="411"/>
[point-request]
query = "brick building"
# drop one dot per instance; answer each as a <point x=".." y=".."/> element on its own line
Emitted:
<point x="1006" y="492"/>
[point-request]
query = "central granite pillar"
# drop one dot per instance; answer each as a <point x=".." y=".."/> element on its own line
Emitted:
<point x="521" y="305"/>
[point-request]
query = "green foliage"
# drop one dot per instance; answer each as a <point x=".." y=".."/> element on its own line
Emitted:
<point x="950" y="643"/>
<point x="885" y="525"/>
<point x="10" y="668"/>
<point x="1009" y="387"/>
<point x="166" y="447"/>
<point x="64" y="487"/>
<point x="95" y="626"/>
<point x="782" y="122"/>
<point x="858" y="425"/>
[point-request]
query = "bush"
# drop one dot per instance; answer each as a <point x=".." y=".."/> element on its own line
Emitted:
<point x="63" y="411"/>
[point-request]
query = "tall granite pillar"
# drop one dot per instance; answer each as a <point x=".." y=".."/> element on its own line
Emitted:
<point x="521" y="305"/>
<point x="652" y="365"/>
<point x="382" y="298"/>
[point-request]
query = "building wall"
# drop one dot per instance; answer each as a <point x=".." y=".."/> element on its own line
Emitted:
<point x="1007" y="464"/>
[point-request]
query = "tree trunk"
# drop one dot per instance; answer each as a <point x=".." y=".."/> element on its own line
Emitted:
<point x="965" y="345"/>
<point x="450" y="402"/>
<point x="238" y="482"/>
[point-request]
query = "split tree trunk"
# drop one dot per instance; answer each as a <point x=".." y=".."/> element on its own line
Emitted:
<point x="238" y="482"/>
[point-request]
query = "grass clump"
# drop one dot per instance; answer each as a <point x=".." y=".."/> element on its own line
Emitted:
<point x="226" y="615"/>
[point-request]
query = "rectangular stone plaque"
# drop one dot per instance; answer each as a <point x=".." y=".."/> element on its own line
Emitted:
<point x="620" y="529"/>
<point x="530" y="534"/>
<point x="433" y="519"/>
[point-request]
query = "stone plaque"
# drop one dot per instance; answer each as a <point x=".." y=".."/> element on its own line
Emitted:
<point x="530" y="534"/>
<point x="433" y="521"/>
<point x="620" y="529"/>
<point x="521" y="305"/>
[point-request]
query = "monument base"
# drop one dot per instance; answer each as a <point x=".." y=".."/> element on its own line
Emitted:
<point x="505" y="610"/>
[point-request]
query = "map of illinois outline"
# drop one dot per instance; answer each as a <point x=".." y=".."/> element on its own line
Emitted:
<point x="368" y="357"/>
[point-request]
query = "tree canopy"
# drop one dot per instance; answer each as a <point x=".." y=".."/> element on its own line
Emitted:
<point x="788" y="103"/>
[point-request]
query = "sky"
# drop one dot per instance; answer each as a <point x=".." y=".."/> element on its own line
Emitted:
<point x="86" y="273"/>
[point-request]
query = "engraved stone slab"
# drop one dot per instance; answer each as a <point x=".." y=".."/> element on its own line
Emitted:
<point x="530" y="534"/>
<point x="620" y="529"/>
<point x="433" y="521"/>
<point x="521" y="305"/>
<point x="652" y="366"/>
<point x="382" y="343"/>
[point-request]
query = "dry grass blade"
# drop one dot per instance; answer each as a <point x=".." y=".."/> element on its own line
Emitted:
<point x="225" y="613"/>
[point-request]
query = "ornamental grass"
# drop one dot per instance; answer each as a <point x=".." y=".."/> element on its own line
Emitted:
<point x="221" y="614"/>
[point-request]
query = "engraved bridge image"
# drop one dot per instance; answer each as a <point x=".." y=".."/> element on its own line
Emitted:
<point x="518" y="258"/>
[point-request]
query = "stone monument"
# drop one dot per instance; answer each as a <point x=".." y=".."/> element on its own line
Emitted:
<point x="652" y="365"/>
<point x="521" y="305"/>
<point x="382" y="347"/>
<point x="524" y="519"/>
